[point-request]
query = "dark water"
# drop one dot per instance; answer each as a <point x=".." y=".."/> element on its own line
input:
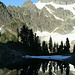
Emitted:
<point x="39" y="67"/>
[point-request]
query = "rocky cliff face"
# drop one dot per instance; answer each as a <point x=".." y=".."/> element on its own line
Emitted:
<point x="5" y="16"/>
<point x="34" y="18"/>
<point x="45" y="15"/>
<point x="59" y="1"/>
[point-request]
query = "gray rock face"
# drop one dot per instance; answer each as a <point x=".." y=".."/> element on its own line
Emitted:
<point x="34" y="18"/>
<point x="5" y="16"/>
<point x="38" y="19"/>
<point x="59" y="1"/>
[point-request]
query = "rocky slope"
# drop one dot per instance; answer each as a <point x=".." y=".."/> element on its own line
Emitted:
<point x="46" y="19"/>
<point x="59" y="1"/>
<point x="5" y="16"/>
<point x="45" y="15"/>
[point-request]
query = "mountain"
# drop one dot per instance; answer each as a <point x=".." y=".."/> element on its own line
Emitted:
<point x="5" y="16"/>
<point x="52" y="16"/>
<point x="59" y="1"/>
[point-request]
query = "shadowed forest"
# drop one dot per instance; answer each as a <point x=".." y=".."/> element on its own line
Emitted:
<point x="22" y="52"/>
<point x="28" y="42"/>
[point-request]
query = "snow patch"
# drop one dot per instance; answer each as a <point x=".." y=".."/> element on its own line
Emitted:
<point x="58" y="18"/>
<point x="40" y="5"/>
<point x="74" y="27"/>
<point x="69" y="7"/>
<point x="55" y="29"/>
<point x="56" y="37"/>
<point x="48" y="10"/>
<point x="0" y="28"/>
<point x="73" y="30"/>
<point x="53" y="14"/>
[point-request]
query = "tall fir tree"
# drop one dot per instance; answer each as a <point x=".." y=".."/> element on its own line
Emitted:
<point x="61" y="47"/>
<point x="31" y="38"/>
<point x="67" y="46"/>
<point x="44" y="48"/>
<point x="47" y="52"/>
<point x="57" y="47"/>
<point x="30" y="41"/>
<point x="27" y="38"/>
<point x="37" y="45"/>
<point x="24" y="34"/>
<point x="51" y="45"/>
<point x="54" y="48"/>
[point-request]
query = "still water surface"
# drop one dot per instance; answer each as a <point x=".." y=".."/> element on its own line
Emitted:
<point x="38" y="67"/>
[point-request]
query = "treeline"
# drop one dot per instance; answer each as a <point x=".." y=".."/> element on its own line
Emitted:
<point x="31" y="45"/>
<point x="60" y="49"/>
<point x="31" y="42"/>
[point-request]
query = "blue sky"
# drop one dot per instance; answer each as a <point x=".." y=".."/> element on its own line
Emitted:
<point x="15" y="2"/>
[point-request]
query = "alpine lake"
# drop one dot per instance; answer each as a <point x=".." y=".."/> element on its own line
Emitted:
<point x="38" y="67"/>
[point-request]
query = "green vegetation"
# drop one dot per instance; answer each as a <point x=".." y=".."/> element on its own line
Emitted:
<point x="16" y="12"/>
<point x="0" y="6"/>
<point x="12" y="24"/>
<point x="26" y="41"/>
<point x="4" y="38"/>
<point x="13" y="38"/>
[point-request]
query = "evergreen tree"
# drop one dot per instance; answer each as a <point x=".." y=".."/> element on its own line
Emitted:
<point x="67" y="45"/>
<point x="65" y="48"/>
<point x="24" y="35"/>
<point x="27" y="39"/>
<point x="44" y="48"/>
<point x="50" y="45"/>
<point x="61" y="47"/>
<point x="37" y="45"/>
<point x="30" y="41"/>
<point x="54" y="48"/>
<point x="47" y="52"/>
<point x="57" y="48"/>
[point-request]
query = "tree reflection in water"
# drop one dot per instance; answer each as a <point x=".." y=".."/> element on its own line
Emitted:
<point x="32" y="67"/>
<point x="50" y="68"/>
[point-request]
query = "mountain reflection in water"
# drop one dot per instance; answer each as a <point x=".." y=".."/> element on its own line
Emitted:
<point x="42" y="67"/>
<point x="38" y="67"/>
